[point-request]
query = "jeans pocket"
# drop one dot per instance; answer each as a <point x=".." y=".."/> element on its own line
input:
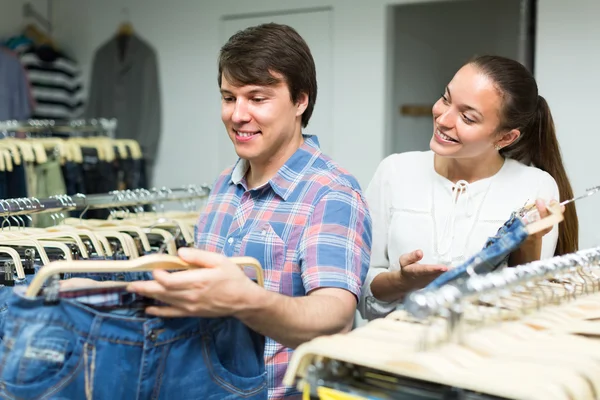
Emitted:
<point x="37" y="357"/>
<point x="235" y="358"/>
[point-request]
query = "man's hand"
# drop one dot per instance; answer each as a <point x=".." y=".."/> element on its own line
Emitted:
<point x="215" y="289"/>
<point x="414" y="276"/>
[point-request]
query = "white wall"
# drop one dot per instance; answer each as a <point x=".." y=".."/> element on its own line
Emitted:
<point x="566" y="66"/>
<point x="11" y="15"/>
<point x="186" y="36"/>
<point x="432" y="41"/>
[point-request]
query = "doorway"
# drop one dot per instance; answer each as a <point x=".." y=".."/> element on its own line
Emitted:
<point x="429" y="42"/>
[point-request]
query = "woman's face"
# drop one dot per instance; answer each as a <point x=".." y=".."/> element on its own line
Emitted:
<point x="467" y="116"/>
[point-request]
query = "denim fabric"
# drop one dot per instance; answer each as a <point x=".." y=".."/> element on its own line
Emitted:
<point x="114" y="276"/>
<point x="6" y="293"/>
<point x="493" y="255"/>
<point x="71" y="351"/>
<point x="73" y="178"/>
<point x="108" y="297"/>
<point x="16" y="183"/>
<point x="3" y="185"/>
<point x="99" y="177"/>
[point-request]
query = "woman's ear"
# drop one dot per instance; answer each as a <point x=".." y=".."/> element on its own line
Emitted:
<point x="508" y="138"/>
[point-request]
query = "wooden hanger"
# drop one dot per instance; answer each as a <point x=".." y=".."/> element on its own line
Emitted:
<point x="555" y="216"/>
<point x="145" y="263"/>
<point x="84" y="233"/>
<point x="47" y="244"/>
<point x="25" y="147"/>
<point x="27" y="242"/>
<point x="429" y="367"/>
<point x="61" y="235"/>
<point x="16" y="258"/>
<point x="128" y="229"/>
<point x="8" y="161"/>
<point x="125" y="29"/>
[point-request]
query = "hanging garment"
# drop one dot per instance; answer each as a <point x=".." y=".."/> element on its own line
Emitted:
<point x="70" y="349"/>
<point x="49" y="182"/>
<point x="19" y="44"/>
<point x="15" y="97"/>
<point x="494" y="254"/>
<point x="127" y="88"/>
<point x="55" y="83"/>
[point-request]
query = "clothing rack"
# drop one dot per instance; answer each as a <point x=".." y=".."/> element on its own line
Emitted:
<point x="67" y="128"/>
<point x="443" y="342"/>
<point x="425" y="304"/>
<point x="116" y="199"/>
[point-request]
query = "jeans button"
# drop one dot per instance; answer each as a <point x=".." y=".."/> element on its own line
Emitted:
<point x="152" y="336"/>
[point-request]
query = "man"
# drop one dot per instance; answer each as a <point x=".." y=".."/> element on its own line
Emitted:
<point x="283" y="203"/>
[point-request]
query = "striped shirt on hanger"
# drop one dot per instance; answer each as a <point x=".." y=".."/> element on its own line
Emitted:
<point x="56" y="85"/>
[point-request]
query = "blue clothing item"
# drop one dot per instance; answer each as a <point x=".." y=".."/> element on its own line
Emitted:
<point x="16" y="182"/>
<point x="15" y="97"/>
<point x="114" y="276"/>
<point x="6" y="293"/>
<point x="3" y="185"/>
<point x="493" y="255"/>
<point x="73" y="174"/>
<point x="71" y="351"/>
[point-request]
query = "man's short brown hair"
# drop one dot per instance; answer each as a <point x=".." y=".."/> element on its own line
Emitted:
<point x="251" y="56"/>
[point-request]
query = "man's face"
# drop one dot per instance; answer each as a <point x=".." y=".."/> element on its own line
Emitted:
<point x="261" y="121"/>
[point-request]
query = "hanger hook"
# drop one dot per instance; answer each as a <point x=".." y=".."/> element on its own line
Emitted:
<point x="5" y="211"/>
<point x="28" y="206"/>
<point x="20" y="221"/>
<point x="87" y="206"/>
<point x="176" y="236"/>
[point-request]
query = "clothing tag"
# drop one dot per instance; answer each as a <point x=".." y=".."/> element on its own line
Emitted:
<point x="48" y="355"/>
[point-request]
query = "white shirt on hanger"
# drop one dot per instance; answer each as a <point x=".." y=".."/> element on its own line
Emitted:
<point x="413" y="207"/>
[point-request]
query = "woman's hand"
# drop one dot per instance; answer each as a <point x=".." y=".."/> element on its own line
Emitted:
<point x="394" y="285"/>
<point x="414" y="276"/>
<point x="531" y="249"/>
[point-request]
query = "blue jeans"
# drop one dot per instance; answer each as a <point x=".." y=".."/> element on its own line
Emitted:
<point x="493" y="255"/>
<point x="71" y="351"/>
<point x="6" y="293"/>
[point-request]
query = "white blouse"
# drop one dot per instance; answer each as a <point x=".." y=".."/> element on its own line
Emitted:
<point x="413" y="207"/>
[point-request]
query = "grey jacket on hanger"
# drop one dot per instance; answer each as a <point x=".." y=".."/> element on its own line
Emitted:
<point x="126" y="86"/>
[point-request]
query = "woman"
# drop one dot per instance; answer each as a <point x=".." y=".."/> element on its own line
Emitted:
<point x="493" y="150"/>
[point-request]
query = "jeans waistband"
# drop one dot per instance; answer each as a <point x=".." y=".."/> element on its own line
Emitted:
<point x="94" y="324"/>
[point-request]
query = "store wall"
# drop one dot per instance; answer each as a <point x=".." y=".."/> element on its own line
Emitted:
<point x="432" y="41"/>
<point x="566" y="66"/>
<point x="186" y="34"/>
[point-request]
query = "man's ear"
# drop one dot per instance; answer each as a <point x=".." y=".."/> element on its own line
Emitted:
<point x="301" y="104"/>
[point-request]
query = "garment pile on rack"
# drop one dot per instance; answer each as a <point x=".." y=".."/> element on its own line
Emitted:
<point x="39" y="79"/>
<point x="43" y="158"/>
<point x="69" y="328"/>
<point x="529" y="332"/>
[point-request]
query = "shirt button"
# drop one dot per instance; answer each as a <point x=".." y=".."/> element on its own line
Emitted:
<point x="230" y="240"/>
